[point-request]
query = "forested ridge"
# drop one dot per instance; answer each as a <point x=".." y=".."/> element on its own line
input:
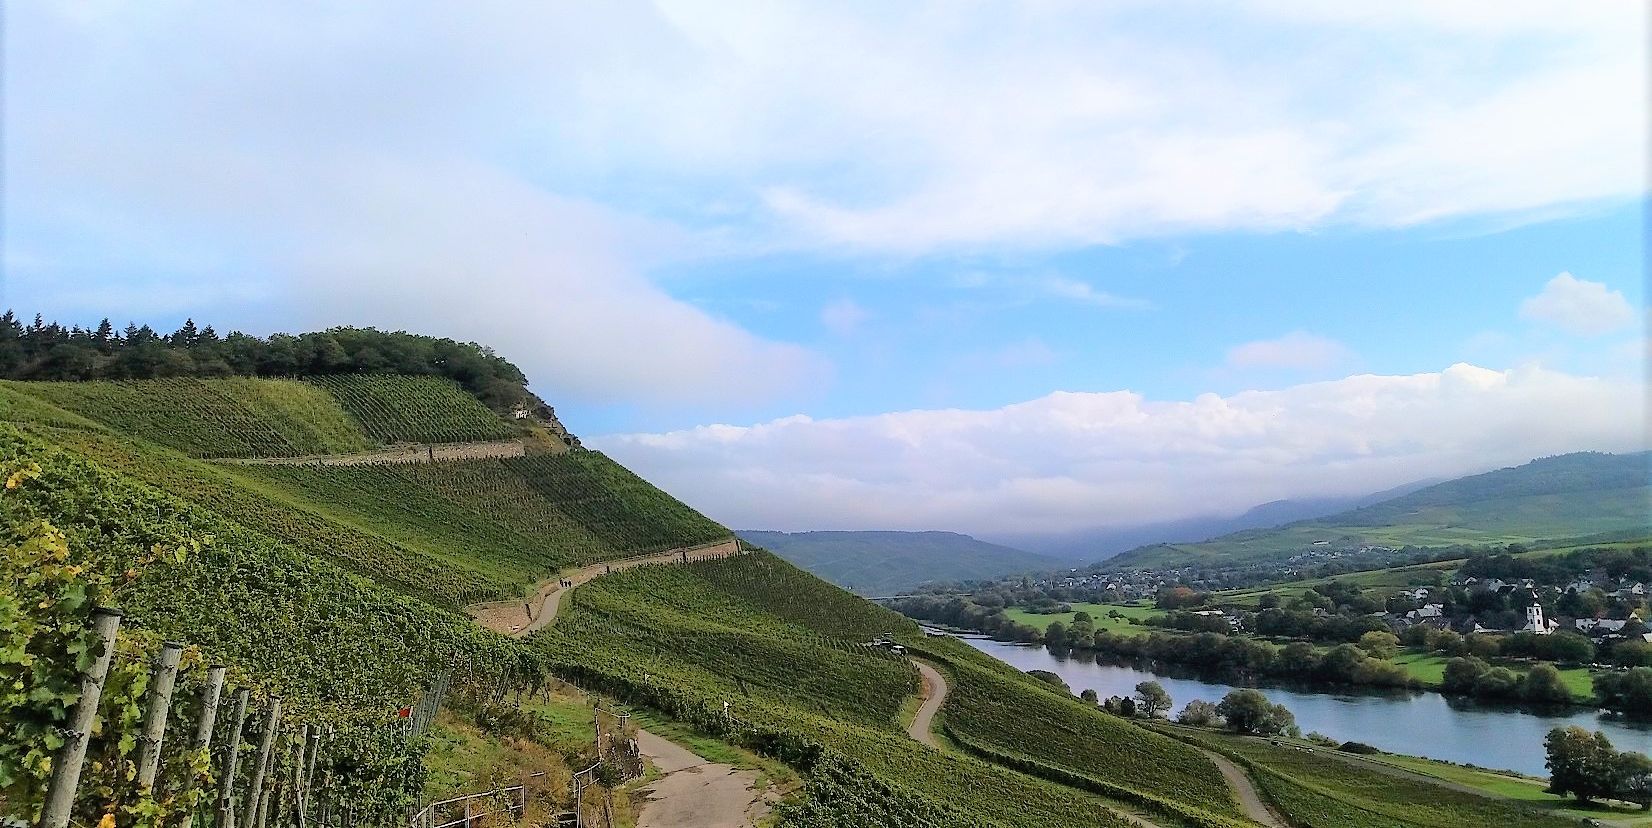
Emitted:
<point x="42" y="350"/>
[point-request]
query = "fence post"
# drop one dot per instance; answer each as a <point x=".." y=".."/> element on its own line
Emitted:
<point x="255" y="789"/>
<point x="66" y="766"/>
<point x="232" y="760"/>
<point x="160" y="707"/>
<point x="203" y="728"/>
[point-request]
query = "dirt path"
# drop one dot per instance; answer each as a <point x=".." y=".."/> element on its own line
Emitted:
<point x="695" y="793"/>
<point x="934" y="695"/>
<point x="519" y="617"/>
<point x="409" y="453"/>
<point x="1255" y="807"/>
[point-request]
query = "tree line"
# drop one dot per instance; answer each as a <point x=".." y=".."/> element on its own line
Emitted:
<point x="42" y="350"/>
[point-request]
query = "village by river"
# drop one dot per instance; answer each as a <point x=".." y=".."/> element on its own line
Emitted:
<point x="1420" y="724"/>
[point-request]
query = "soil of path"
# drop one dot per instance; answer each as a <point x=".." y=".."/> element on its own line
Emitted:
<point x="1249" y="799"/>
<point x="934" y="695"/>
<point x="407" y="453"/>
<point x="695" y="793"/>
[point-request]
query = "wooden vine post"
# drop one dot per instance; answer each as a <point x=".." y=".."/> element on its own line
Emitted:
<point x="261" y="766"/>
<point x="232" y="759"/>
<point x="160" y="707"/>
<point x="203" y="727"/>
<point x="66" y="766"/>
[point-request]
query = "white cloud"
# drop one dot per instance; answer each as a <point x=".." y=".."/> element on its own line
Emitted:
<point x="1086" y="293"/>
<point x="1579" y="306"/>
<point x="348" y="169"/>
<point x="1297" y="349"/>
<point x="843" y="317"/>
<point x="1073" y="460"/>
<point x="905" y="127"/>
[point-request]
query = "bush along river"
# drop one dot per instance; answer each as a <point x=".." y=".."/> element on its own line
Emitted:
<point x="1427" y="724"/>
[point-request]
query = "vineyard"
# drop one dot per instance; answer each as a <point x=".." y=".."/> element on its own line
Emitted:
<point x="240" y="417"/>
<point x="1014" y="715"/>
<point x="1327" y="792"/>
<point x="403" y="409"/>
<point x="513" y="521"/>
<point x="78" y="536"/>
<point x="686" y="639"/>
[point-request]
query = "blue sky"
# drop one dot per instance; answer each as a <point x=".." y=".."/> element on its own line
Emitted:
<point x="985" y="266"/>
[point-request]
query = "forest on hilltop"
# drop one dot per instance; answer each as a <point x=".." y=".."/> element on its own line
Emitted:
<point x="50" y="351"/>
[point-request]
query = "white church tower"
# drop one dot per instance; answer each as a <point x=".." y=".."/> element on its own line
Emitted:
<point x="1535" y="622"/>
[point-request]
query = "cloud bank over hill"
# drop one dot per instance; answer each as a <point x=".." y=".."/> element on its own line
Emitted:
<point x="1074" y="460"/>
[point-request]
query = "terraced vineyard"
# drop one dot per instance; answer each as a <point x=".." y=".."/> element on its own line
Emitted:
<point x="239" y="417"/>
<point x="212" y="417"/>
<point x="1051" y="732"/>
<point x="515" y="520"/>
<point x="1324" y="791"/>
<point x="402" y="409"/>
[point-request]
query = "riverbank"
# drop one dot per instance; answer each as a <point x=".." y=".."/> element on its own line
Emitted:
<point x="1422" y="723"/>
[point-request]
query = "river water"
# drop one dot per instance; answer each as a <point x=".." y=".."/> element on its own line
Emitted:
<point x="1421" y="724"/>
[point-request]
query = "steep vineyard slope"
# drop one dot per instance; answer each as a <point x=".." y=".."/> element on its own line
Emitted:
<point x="786" y="652"/>
<point x="247" y="417"/>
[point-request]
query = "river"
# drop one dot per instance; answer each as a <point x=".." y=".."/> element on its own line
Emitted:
<point x="1420" y="724"/>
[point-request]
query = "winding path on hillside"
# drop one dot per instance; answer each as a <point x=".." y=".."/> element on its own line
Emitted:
<point x="934" y="695"/>
<point x="520" y="617"/>
<point x="691" y="792"/>
<point x="1250" y="800"/>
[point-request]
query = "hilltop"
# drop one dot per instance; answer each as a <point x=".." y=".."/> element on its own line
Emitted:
<point x="1568" y="496"/>
<point x="887" y="563"/>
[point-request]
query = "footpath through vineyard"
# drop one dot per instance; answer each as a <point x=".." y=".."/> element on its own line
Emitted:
<point x="408" y="453"/>
<point x="690" y="792"/>
<point x="520" y="616"/>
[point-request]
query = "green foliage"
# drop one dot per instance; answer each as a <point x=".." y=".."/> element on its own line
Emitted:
<point x="405" y="409"/>
<point x="118" y="543"/>
<point x="50" y="351"/>
<point x="1248" y="711"/>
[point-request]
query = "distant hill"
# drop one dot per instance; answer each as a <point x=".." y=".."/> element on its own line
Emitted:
<point x="1092" y="544"/>
<point x="1567" y="496"/>
<point x="886" y="563"/>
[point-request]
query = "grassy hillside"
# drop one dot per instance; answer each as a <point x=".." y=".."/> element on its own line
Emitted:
<point x="1569" y="496"/>
<point x="887" y="563"/>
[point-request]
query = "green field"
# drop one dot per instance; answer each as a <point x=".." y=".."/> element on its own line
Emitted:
<point x="1140" y="611"/>
<point x="1523" y="789"/>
